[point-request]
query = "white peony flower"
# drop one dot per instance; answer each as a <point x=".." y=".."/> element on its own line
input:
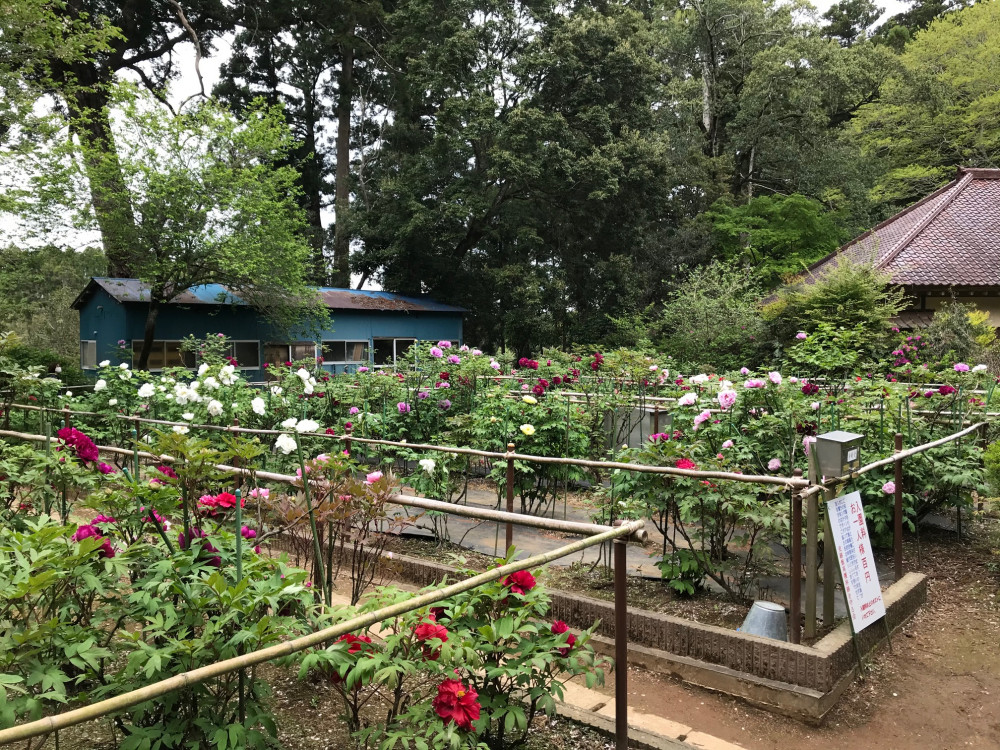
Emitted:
<point x="306" y="425"/>
<point x="427" y="464"/>
<point x="227" y="375"/>
<point x="276" y="390"/>
<point x="104" y="363"/>
<point x="215" y="407"/>
<point x="979" y="368"/>
<point x="112" y="402"/>
<point x="100" y="385"/>
<point x="687" y="399"/>
<point x="307" y="388"/>
<point x="303" y="374"/>
<point x="258" y="406"/>
<point x="698" y="379"/>
<point x="211" y="383"/>
<point x="181" y="429"/>
<point x="125" y="375"/>
<point x="188" y="415"/>
<point x="289" y="424"/>
<point x="203" y="369"/>
<point x="285" y="443"/>
<point x="123" y="366"/>
<point x="146" y="390"/>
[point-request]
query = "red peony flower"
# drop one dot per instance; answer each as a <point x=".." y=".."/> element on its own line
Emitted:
<point x="427" y="631"/>
<point x="89" y="531"/>
<point x="685" y="463"/>
<point x="520" y="582"/>
<point x="228" y="500"/>
<point x="457" y="703"/>
<point x="558" y="628"/>
<point x="355" y="643"/>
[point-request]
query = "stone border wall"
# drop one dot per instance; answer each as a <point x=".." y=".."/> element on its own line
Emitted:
<point x="820" y="668"/>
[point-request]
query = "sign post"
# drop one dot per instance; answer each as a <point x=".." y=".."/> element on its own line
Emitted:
<point x="862" y="592"/>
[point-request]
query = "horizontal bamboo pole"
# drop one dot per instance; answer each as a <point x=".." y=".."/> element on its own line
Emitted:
<point x="917" y="449"/>
<point x="412" y="501"/>
<point x="529" y="458"/>
<point x="177" y="682"/>
<point x="518" y="519"/>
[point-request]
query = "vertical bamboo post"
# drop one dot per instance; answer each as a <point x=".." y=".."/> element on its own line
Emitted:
<point x="621" y="647"/>
<point x="812" y="532"/>
<point x="66" y="420"/>
<point x="239" y="577"/>
<point x="897" y="532"/>
<point x="656" y="418"/>
<point x="829" y="561"/>
<point x="510" y="496"/>
<point x="795" y="567"/>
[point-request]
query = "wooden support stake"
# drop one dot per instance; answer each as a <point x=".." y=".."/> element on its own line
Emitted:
<point x="812" y="532"/>
<point x="897" y="531"/>
<point x="510" y="497"/>
<point x="621" y="647"/>
<point x="795" y="569"/>
<point x="829" y="562"/>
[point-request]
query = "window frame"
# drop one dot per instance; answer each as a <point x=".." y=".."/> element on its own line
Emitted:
<point x="87" y="343"/>
<point x="347" y="343"/>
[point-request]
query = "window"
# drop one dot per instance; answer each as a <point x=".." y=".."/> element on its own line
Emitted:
<point x="387" y="351"/>
<point x="163" y="354"/>
<point x="278" y="354"/>
<point x="246" y="354"/>
<point x="344" y="352"/>
<point x="88" y="355"/>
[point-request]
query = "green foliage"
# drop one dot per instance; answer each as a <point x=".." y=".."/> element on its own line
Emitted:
<point x="991" y="459"/>
<point x="57" y="606"/>
<point x="829" y="351"/>
<point x="939" y="110"/>
<point x="778" y="235"/>
<point x="713" y="317"/>
<point x="37" y="288"/>
<point x="496" y="642"/>
<point x="960" y="333"/>
<point x="850" y="296"/>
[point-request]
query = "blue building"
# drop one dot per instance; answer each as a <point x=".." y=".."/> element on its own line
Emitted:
<point x="366" y="328"/>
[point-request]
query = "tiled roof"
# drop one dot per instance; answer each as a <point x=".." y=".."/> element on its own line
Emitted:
<point x="133" y="290"/>
<point x="950" y="238"/>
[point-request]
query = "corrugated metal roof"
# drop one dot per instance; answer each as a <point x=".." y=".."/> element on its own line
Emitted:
<point x="133" y="290"/>
<point x="949" y="238"/>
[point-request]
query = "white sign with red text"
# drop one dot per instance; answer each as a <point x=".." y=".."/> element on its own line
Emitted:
<point x="857" y="565"/>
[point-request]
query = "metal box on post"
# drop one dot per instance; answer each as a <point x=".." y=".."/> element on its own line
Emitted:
<point x="838" y="452"/>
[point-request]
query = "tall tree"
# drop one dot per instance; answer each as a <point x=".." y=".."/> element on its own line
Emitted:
<point x="310" y="56"/>
<point x="519" y="165"/>
<point x="849" y="20"/>
<point x="139" y="37"/>
<point x="213" y="201"/>
<point x="941" y="109"/>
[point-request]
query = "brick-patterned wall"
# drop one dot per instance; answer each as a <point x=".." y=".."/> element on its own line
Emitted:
<point x="819" y="667"/>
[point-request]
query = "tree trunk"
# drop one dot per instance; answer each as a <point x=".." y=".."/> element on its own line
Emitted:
<point x="312" y="182"/>
<point x="342" y="199"/>
<point x="110" y="196"/>
<point x="149" y="334"/>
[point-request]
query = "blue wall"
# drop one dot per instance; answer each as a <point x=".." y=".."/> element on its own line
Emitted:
<point x="114" y="321"/>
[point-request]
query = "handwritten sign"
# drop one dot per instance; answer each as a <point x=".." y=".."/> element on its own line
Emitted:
<point x="857" y="565"/>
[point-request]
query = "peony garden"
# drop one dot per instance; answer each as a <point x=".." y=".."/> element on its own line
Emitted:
<point x="157" y="523"/>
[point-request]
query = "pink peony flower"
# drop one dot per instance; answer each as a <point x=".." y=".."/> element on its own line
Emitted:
<point x="403" y="407"/>
<point x="889" y="488"/>
<point x="728" y="444"/>
<point x="436" y="352"/>
<point x="454" y="359"/>
<point x="961" y="367"/>
<point x="701" y="418"/>
<point x="774" y="464"/>
<point x="373" y="477"/>
<point x="774" y="377"/>
<point x="727" y="398"/>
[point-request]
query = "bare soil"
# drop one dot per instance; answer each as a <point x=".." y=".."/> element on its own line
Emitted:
<point x="938" y="690"/>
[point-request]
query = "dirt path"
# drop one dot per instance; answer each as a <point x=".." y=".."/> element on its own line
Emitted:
<point x="940" y="690"/>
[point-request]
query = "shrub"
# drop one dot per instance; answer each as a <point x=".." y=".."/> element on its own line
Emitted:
<point x="848" y="295"/>
<point x="959" y="333"/>
<point x="713" y="318"/>
<point x="473" y="671"/>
